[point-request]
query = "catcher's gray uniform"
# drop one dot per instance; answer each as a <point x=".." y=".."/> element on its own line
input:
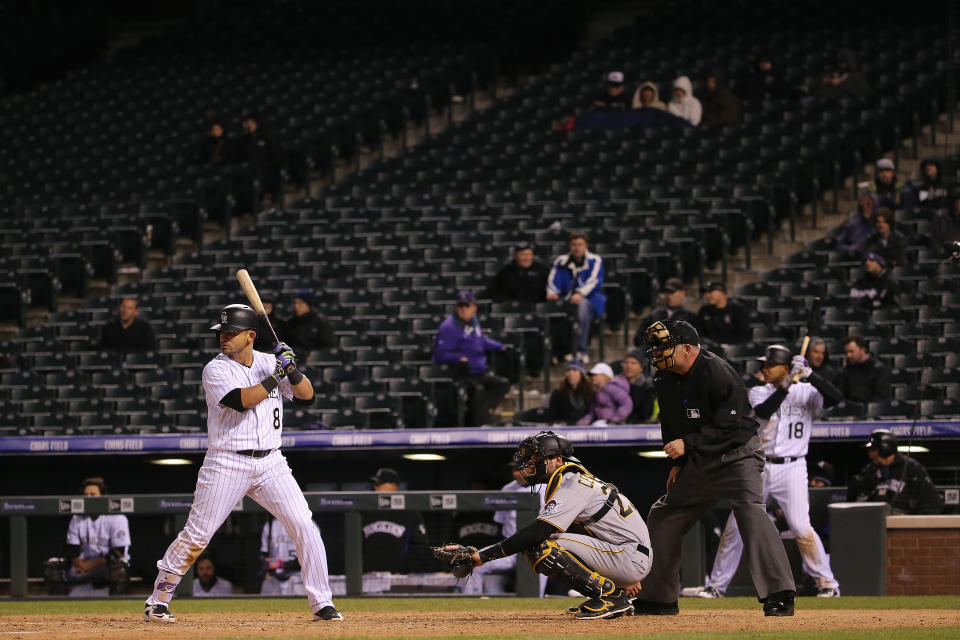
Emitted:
<point x="617" y="544"/>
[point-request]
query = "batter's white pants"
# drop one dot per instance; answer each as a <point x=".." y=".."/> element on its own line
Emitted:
<point x="474" y="584"/>
<point x="224" y="479"/>
<point x="787" y="484"/>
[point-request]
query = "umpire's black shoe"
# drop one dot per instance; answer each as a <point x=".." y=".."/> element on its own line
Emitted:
<point x="779" y="604"/>
<point x="328" y="612"/>
<point x="650" y="608"/>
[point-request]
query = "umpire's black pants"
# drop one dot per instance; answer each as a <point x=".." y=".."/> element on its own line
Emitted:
<point x="485" y="391"/>
<point x="734" y="478"/>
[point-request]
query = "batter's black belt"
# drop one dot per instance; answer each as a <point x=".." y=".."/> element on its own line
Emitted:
<point x="256" y="453"/>
<point x="773" y="460"/>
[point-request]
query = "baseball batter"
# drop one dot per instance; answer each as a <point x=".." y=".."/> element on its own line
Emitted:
<point x="608" y="561"/>
<point x="786" y="411"/>
<point x="243" y="389"/>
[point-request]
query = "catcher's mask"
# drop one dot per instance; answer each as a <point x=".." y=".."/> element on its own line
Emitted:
<point x="662" y="338"/>
<point x="537" y="449"/>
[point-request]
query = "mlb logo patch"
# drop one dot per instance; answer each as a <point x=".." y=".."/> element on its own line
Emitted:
<point x="693" y="413"/>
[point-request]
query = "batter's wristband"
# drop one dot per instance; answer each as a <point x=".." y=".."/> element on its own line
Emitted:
<point x="294" y="376"/>
<point x="269" y="383"/>
<point x="492" y="552"/>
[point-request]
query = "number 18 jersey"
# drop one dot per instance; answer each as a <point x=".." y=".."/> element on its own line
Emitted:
<point x="787" y="432"/>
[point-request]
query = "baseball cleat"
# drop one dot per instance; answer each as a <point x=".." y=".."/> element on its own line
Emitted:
<point x="328" y="612"/>
<point x="779" y="604"/>
<point x="650" y="608"/>
<point x="158" y="613"/>
<point x="709" y="592"/>
<point x="612" y="606"/>
<point x="828" y="592"/>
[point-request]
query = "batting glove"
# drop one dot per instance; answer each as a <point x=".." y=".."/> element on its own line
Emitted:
<point x="800" y="368"/>
<point x="283" y="347"/>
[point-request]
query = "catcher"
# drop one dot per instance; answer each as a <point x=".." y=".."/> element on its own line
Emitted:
<point x="606" y="563"/>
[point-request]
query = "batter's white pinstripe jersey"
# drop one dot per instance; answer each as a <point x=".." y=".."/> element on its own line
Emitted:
<point x="256" y="428"/>
<point x="96" y="537"/>
<point x="787" y="432"/>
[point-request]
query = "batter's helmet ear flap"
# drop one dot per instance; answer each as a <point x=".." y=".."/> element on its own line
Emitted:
<point x="883" y="442"/>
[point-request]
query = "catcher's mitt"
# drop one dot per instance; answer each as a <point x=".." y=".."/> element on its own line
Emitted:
<point x="459" y="557"/>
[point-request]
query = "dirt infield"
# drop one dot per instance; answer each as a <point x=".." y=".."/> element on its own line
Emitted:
<point x="421" y="624"/>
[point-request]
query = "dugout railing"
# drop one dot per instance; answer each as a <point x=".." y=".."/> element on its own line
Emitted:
<point x="18" y="510"/>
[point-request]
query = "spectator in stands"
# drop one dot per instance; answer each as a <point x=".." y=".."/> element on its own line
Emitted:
<point x="264" y="340"/>
<point x="460" y="341"/>
<point x="97" y="551"/>
<point x="263" y="154"/>
<point x="887" y="241"/>
<point x="764" y="83"/>
<point x="853" y="235"/>
<point x="684" y="104"/>
<point x="613" y="98"/>
<point x="946" y="225"/>
<point x="280" y="568"/>
<point x="612" y="403"/>
<point x="930" y="190"/>
<point x="127" y="333"/>
<point x="306" y="329"/>
<point x="864" y="378"/>
<point x="218" y="147"/>
<point x="573" y="397"/>
<point x="894" y="478"/>
<point x="577" y="277"/>
<point x="721" y="319"/>
<point x="642" y="393"/>
<point x="876" y="288"/>
<point x="844" y="80"/>
<point x="720" y="105"/>
<point x="821" y="474"/>
<point x="648" y="96"/>
<point x="819" y="361"/>
<point x="672" y="309"/>
<point x="208" y="583"/>
<point x="523" y="279"/>
<point x="394" y="540"/>
<point x="889" y="190"/>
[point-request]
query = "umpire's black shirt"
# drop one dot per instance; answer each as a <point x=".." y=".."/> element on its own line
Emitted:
<point x="707" y="407"/>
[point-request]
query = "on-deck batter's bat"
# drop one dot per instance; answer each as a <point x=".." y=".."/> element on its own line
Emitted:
<point x="812" y="324"/>
<point x="251" y="291"/>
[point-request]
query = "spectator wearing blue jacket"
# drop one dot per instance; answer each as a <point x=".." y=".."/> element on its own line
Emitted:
<point x="578" y="278"/>
<point x="460" y="341"/>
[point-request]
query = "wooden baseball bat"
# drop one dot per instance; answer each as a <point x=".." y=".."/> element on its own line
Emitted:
<point x="812" y="322"/>
<point x="251" y="292"/>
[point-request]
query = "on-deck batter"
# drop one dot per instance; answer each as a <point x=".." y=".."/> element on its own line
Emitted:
<point x="786" y="412"/>
<point x="243" y="389"/>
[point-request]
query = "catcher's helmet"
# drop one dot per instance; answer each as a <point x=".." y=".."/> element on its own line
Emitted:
<point x="662" y="337"/>
<point x="537" y="449"/>
<point x="776" y="354"/>
<point x="237" y="317"/>
<point x="883" y="442"/>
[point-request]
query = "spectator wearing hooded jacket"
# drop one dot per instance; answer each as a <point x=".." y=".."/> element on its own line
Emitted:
<point x="720" y="105"/>
<point x="819" y="360"/>
<point x="460" y="341"/>
<point x="929" y="190"/>
<point x="613" y="402"/>
<point x="684" y="104"/>
<point x="648" y="96"/>
<point x="889" y="190"/>
<point x="876" y="288"/>
<point x="577" y="277"/>
<point x="765" y="82"/>
<point x="853" y="235"/>
<point x="887" y="241"/>
<point x="845" y="80"/>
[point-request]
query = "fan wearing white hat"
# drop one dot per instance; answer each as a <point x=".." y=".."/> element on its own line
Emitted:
<point x="613" y="98"/>
<point x="613" y="402"/>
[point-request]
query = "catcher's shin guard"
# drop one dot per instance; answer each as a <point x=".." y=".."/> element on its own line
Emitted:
<point x="553" y="561"/>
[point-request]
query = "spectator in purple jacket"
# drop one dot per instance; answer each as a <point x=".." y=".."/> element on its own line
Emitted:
<point x="853" y="235"/>
<point x="613" y="402"/>
<point x="460" y="341"/>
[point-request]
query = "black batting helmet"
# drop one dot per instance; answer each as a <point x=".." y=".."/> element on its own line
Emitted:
<point x="237" y="317"/>
<point x="537" y="449"/>
<point x="776" y="354"/>
<point x="883" y="442"/>
<point x="662" y="337"/>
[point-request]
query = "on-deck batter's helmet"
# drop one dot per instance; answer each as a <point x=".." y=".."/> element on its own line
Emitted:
<point x="237" y="317"/>
<point x="883" y="442"/>
<point x="662" y="337"/>
<point x="776" y="354"/>
<point x="537" y="449"/>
